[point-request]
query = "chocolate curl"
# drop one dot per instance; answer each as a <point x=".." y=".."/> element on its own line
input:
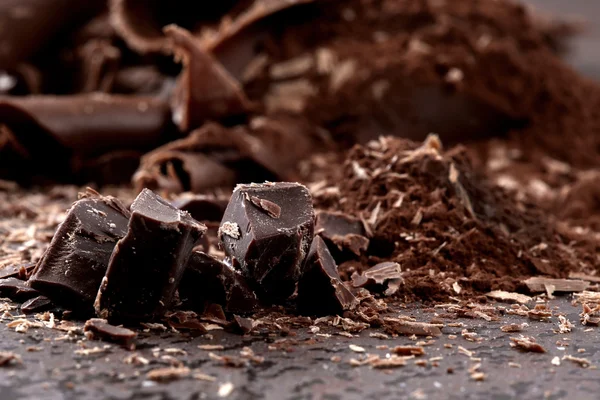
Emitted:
<point x="27" y="25"/>
<point x="54" y="129"/>
<point x="141" y="22"/>
<point x="100" y="63"/>
<point x="215" y="156"/>
<point x="205" y="90"/>
<point x="234" y="43"/>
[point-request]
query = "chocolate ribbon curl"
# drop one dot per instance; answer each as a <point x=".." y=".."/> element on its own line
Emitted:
<point x="214" y="156"/>
<point x="204" y="90"/>
<point x="26" y="26"/>
<point x="51" y="133"/>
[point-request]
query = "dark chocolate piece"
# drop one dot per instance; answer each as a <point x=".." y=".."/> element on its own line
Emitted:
<point x="270" y="251"/>
<point x="98" y="328"/>
<point x="148" y="263"/>
<point x="205" y="90"/>
<point x="320" y="290"/>
<point x="344" y="235"/>
<point x="202" y="207"/>
<point x="27" y="25"/>
<point x="207" y="279"/>
<point x="36" y="305"/>
<point x="378" y="275"/>
<point x="16" y="289"/>
<point x="52" y="129"/>
<point x="72" y="268"/>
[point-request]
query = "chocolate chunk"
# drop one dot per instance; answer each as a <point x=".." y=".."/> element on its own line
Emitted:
<point x="27" y="25"/>
<point x="36" y="305"/>
<point x="270" y="251"/>
<point x="51" y="130"/>
<point x="72" y="268"/>
<point x="378" y="275"/>
<point x="185" y="320"/>
<point x="344" y="235"/>
<point x="201" y="207"/>
<point x="207" y="279"/>
<point x="101" y="329"/>
<point x="320" y="290"/>
<point x="148" y="263"/>
<point x="205" y="90"/>
<point x="16" y="289"/>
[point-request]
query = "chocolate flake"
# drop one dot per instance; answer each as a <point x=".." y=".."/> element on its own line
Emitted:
<point x="378" y="275"/>
<point x="17" y="289"/>
<point x="342" y="233"/>
<point x="540" y="284"/>
<point x="100" y="328"/>
<point x="148" y="263"/>
<point x="267" y="206"/>
<point x="527" y="343"/>
<point x="230" y="229"/>
<point x="36" y="305"/>
<point x="270" y="251"/>
<point x="8" y="358"/>
<point x="320" y="290"/>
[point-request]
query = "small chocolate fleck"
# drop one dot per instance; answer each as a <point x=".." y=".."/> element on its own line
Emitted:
<point x="268" y="206"/>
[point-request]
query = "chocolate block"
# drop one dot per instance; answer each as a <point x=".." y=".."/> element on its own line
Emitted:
<point x="72" y="268"/>
<point x="345" y="235"/>
<point x="320" y="290"/>
<point x="148" y="263"/>
<point x="269" y="246"/>
<point x="207" y="279"/>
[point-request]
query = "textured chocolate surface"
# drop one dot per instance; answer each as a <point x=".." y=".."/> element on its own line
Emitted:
<point x="72" y="268"/>
<point x="208" y="280"/>
<point x="269" y="250"/>
<point x="148" y="263"/>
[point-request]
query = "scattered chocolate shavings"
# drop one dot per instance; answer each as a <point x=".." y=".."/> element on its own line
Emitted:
<point x="514" y="327"/>
<point x="187" y="320"/>
<point x="211" y="347"/>
<point x="540" y="312"/>
<point x="230" y="229"/>
<point x="587" y="297"/>
<point x="470" y="336"/>
<point x="408" y="350"/>
<point x="356" y="349"/>
<point x="8" y="358"/>
<point x="476" y="374"/>
<point x="376" y="361"/>
<point x="564" y="325"/>
<point x="203" y="377"/>
<point x="540" y="284"/>
<point x="583" y="362"/>
<point x="464" y="351"/>
<point x="527" y="343"/>
<point x="584" y="277"/>
<point x="404" y="327"/>
<point x="22" y="325"/>
<point x="168" y="374"/>
<point x="555" y="361"/>
<point x="100" y="328"/>
<point x="136" y="359"/>
<point x="229" y="361"/>
<point x="93" y="350"/>
<point x="590" y="316"/>
<point x="225" y="389"/>
<point x="501" y="295"/>
<point x="272" y="209"/>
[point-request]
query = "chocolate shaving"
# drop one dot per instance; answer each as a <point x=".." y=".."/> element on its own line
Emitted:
<point x="267" y="206"/>
<point x="100" y="328"/>
<point x="36" y="305"/>
<point x="527" y="343"/>
<point x="378" y="275"/>
<point x="540" y="284"/>
<point x="204" y="90"/>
